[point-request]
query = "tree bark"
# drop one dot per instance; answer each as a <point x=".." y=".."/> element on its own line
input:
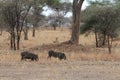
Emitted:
<point x="77" y="4"/>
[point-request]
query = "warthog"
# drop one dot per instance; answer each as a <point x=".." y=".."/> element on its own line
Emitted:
<point x="28" y="55"/>
<point x="59" y="55"/>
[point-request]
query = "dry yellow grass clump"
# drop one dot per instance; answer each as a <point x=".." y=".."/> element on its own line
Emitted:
<point x="85" y="51"/>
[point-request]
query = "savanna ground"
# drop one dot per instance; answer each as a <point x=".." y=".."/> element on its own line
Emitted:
<point x="84" y="62"/>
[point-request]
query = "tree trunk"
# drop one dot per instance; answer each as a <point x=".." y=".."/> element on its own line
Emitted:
<point x="26" y="35"/>
<point x="54" y="27"/>
<point x="12" y="38"/>
<point x="109" y="45"/>
<point x="11" y="41"/>
<point x="0" y="31"/>
<point x="104" y="39"/>
<point x="26" y="32"/>
<point x="33" y="35"/>
<point x="76" y="21"/>
<point x="18" y="42"/>
<point x="96" y="39"/>
<point x="14" y="44"/>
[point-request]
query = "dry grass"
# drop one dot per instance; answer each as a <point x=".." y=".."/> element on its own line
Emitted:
<point x="45" y="37"/>
<point x="84" y="62"/>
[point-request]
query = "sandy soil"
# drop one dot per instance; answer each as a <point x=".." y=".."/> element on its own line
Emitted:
<point x="60" y="70"/>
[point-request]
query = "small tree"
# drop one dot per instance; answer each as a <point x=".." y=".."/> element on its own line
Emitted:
<point x="36" y="17"/>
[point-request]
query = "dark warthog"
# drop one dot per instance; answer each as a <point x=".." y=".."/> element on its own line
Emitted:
<point x="59" y="55"/>
<point x="28" y="55"/>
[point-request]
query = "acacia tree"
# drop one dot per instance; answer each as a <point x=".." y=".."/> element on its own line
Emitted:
<point x="104" y="22"/>
<point x="61" y="10"/>
<point x="15" y="13"/>
<point x="9" y="18"/>
<point x="77" y="4"/>
<point x="91" y="16"/>
<point x="59" y="14"/>
<point x="21" y="16"/>
<point x="37" y="10"/>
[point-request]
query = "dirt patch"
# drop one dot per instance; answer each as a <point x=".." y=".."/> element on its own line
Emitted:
<point x="61" y="47"/>
<point x="60" y="70"/>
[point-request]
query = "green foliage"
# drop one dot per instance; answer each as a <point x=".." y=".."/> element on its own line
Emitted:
<point x="100" y="2"/>
<point x="100" y="17"/>
<point x="52" y="2"/>
<point x="104" y="21"/>
<point x="87" y="26"/>
<point x="103" y="17"/>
